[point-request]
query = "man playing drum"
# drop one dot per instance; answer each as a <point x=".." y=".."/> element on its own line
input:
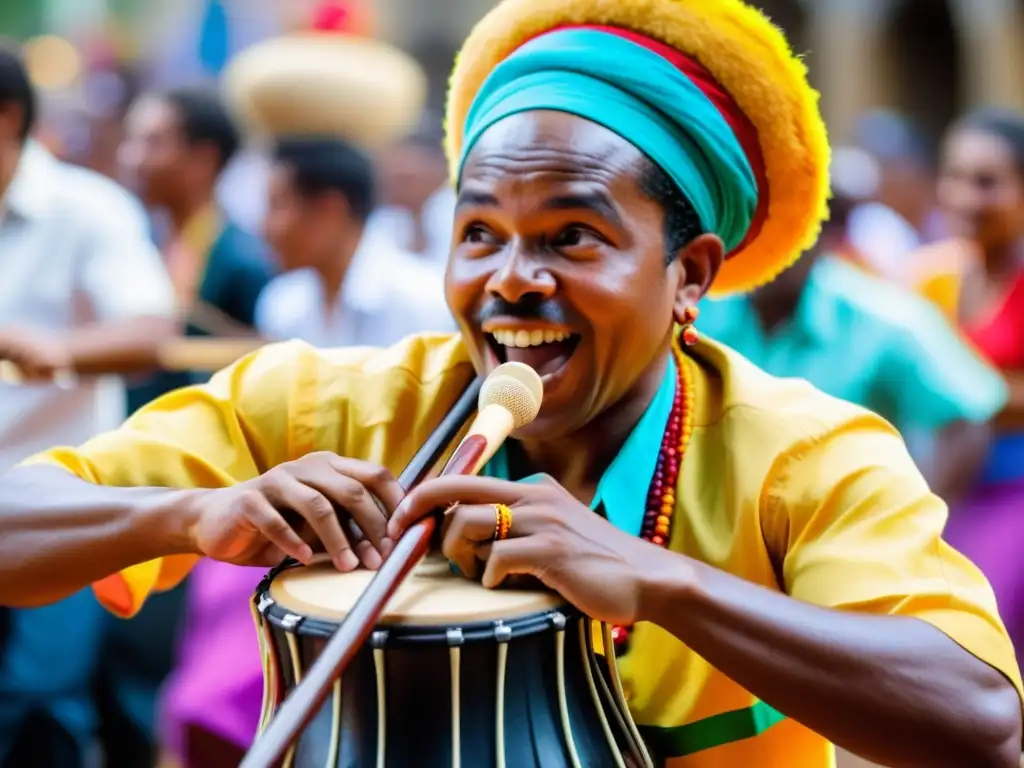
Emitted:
<point x="771" y="557"/>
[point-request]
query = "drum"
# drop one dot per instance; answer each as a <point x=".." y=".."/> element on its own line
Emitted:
<point x="453" y="675"/>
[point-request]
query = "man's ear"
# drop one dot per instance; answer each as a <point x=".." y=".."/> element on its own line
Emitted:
<point x="697" y="265"/>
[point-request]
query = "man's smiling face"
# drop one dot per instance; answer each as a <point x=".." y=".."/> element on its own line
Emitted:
<point x="559" y="262"/>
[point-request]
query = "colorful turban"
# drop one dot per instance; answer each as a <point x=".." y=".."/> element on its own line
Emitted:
<point x="708" y="89"/>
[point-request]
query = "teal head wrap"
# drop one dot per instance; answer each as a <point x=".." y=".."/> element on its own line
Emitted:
<point x="638" y="95"/>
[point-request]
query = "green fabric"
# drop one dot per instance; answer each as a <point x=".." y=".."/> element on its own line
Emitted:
<point x="640" y="96"/>
<point x="711" y="732"/>
<point x="622" y="491"/>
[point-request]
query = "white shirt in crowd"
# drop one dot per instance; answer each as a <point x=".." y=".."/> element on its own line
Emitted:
<point x="387" y="295"/>
<point x="396" y="224"/>
<point x="74" y="250"/>
<point x="884" y="239"/>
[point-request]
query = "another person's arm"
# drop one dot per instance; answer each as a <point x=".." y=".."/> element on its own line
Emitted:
<point x="1012" y="416"/>
<point x="121" y="277"/>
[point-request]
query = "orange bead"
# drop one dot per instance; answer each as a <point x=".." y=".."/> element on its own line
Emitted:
<point x="658" y="540"/>
<point x="666" y="509"/>
<point x="661" y="530"/>
<point x="663" y="520"/>
<point x="670" y="499"/>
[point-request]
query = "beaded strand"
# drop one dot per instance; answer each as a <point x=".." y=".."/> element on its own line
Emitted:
<point x="661" y="497"/>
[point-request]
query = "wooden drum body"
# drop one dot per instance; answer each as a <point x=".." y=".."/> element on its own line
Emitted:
<point x="454" y="675"/>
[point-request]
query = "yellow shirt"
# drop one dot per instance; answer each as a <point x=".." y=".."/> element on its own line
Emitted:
<point x="781" y="485"/>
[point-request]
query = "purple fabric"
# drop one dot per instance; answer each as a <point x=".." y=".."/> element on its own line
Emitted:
<point x="988" y="528"/>
<point x="218" y="683"/>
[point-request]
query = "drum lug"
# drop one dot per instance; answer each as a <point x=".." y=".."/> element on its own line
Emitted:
<point x="455" y="637"/>
<point x="558" y="620"/>
<point x="291" y="621"/>
<point x="502" y="632"/>
<point x="265" y="602"/>
<point x="379" y="639"/>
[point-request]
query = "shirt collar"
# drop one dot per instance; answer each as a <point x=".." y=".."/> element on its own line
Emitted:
<point x="29" y="193"/>
<point x="622" y="490"/>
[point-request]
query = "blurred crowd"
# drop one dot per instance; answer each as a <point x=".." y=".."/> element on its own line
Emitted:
<point x="152" y="218"/>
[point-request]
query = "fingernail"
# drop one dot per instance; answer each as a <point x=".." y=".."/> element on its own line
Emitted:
<point x="386" y="545"/>
<point x="373" y="560"/>
<point x="347" y="561"/>
<point x="305" y="555"/>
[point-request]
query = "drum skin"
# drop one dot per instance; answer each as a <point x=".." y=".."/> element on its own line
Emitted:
<point x="451" y="671"/>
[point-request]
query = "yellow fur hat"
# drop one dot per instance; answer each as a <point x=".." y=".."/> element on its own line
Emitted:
<point x="751" y="61"/>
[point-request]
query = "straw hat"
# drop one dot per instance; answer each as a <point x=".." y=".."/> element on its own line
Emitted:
<point x="361" y="90"/>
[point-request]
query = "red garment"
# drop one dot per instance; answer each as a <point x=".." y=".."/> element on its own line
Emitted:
<point x="1000" y="335"/>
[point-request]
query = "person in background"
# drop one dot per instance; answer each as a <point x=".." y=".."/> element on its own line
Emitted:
<point x="82" y="293"/>
<point x="901" y="217"/>
<point x="865" y="340"/>
<point x="417" y="200"/>
<point x="177" y="143"/>
<point x="977" y="278"/>
<point x="342" y="286"/>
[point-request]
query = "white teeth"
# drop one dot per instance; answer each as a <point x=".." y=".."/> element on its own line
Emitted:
<point x="528" y="338"/>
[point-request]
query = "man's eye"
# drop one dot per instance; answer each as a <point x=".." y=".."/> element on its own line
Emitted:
<point x="477" y="234"/>
<point x="574" y="236"/>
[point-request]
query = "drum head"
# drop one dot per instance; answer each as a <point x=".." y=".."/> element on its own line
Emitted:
<point x="430" y="596"/>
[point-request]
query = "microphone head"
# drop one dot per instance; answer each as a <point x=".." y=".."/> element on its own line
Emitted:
<point x="515" y="387"/>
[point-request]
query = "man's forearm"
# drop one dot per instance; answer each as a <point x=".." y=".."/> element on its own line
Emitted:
<point x="124" y="347"/>
<point x="890" y="689"/>
<point x="59" y="534"/>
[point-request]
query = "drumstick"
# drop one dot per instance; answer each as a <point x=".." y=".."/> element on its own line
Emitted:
<point x="509" y="398"/>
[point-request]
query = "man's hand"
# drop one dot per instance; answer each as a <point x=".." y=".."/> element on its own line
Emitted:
<point x="554" y="538"/>
<point x="322" y="498"/>
<point x="38" y="356"/>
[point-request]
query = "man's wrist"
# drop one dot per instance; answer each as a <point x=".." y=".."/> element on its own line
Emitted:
<point x="168" y="520"/>
<point x="668" y="583"/>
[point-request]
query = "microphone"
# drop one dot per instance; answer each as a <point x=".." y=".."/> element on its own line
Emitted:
<point x="509" y="398"/>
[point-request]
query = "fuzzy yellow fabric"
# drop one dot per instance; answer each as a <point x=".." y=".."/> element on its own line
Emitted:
<point x="744" y="52"/>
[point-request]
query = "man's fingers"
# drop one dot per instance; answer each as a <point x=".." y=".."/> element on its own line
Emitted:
<point x="464" y="527"/>
<point x="286" y="492"/>
<point x="375" y="478"/>
<point x="441" y="492"/>
<point x="350" y="495"/>
<point x="527" y="556"/>
<point x="272" y="526"/>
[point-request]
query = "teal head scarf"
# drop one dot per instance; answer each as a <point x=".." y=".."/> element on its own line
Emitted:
<point x="643" y="98"/>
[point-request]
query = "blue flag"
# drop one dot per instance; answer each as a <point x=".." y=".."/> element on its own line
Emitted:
<point x="214" y="42"/>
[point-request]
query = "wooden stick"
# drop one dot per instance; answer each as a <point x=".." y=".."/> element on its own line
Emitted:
<point x="306" y="699"/>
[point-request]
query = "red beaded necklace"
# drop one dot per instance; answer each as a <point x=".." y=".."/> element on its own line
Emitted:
<point x="661" y="498"/>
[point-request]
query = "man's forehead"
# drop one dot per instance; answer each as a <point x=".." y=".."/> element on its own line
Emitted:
<point x="550" y="143"/>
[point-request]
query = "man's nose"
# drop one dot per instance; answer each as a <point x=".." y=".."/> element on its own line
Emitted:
<point x="521" y="275"/>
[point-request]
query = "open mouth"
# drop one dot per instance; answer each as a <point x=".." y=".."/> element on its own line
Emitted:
<point x="544" y="350"/>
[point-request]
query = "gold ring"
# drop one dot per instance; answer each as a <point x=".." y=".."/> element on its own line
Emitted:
<point x="502" y="521"/>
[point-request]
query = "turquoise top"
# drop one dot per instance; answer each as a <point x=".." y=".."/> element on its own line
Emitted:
<point x="860" y="339"/>
<point x="638" y="95"/>
<point x="622" y="491"/>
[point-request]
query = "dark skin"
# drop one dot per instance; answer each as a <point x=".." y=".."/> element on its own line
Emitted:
<point x="981" y="192"/>
<point x="102" y="348"/>
<point x="960" y="447"/>
<point x="554" y="211"/>
<point x="308" y="230"/>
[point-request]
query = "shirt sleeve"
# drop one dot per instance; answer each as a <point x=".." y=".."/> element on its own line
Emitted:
<point x="122" y="272"/>
<point x="933" y="378"/>
<point x="860" y="531"/>
<point x="254" y="415"/>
